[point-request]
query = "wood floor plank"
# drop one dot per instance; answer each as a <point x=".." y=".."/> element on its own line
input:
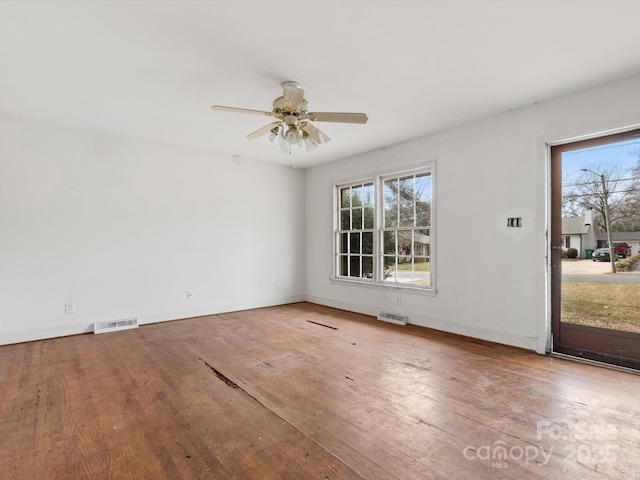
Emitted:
<point x="512" y="395"/>
<point x="303" y="391"/>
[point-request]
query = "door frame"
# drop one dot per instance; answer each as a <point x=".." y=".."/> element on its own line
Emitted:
<point x="614" y="347"/>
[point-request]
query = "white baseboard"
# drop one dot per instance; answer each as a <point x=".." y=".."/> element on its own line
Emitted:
<point x="51" y="331"/>
<point x="86" y="326"/>
<point x="520" y="341"/>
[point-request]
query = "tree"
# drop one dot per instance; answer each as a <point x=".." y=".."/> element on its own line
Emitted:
<point x="587" y="193"/>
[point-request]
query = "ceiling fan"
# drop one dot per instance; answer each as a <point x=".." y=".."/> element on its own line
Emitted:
<point x="292" y="126"/>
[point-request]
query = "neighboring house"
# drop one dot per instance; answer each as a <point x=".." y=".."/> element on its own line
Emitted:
<point x="632" y="238"/>
<point x="579" y="233"/>
<point x="422" y="245"/>
<point x="421" y="248"/>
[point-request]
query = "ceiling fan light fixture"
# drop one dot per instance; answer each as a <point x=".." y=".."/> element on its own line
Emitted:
<point x="293" y="135"/>
<point x="274" y="133"/>
<point x="285" y="146"/>
<point x="308" y="142"/>
<point x="292" y="126"/>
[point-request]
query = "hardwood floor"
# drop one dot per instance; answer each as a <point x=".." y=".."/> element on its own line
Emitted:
<point x="307" y="392"/>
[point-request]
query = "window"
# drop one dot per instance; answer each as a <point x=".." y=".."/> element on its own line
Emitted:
<point x="406" y="229"/>
<point x="356" y="231"/>
<point x="383" y="230"/>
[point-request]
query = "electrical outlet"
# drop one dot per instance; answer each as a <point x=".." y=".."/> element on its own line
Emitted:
<point x="398" y="300"/>
<point x="69" y="308"/>
<point x="189" y="294"/>
<point x="277" y="287"/>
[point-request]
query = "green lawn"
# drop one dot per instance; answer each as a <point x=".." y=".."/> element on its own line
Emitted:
<point x="418" y="267"/>
<point x="602" y="304"/>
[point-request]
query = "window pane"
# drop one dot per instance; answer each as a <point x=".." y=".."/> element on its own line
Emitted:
<point x="423" y="214"/>
<point x="404" y="244"/>
<point x="421" y="271"/>
<point x="389" y="240"/>
<point x="367" y="267"/>
<point x="368" y="217"/>
<point x="406" y="215"/>
<point x="343" y="266"/>
<point x="391" y="190"/>
<point x="405" y="189"/>
<point x="344" y="197"/>
<point x="422" y="243"/>
<point x="345" y="222"/>
<point x="367" y="243"/>
<point x="356" y="219"/>
<point x="354" y="262"/>
<point x="367" y="194"/>
<point x="389" y="273"/>
<point x="423" y="188"/>
<point x="356" y="196"/>
<point x="344" y="243"/>
<point x="391" y="216"/>
<point x="355" y="243"/>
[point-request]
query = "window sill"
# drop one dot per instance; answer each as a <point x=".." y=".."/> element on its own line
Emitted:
<point x="429" y="292"/>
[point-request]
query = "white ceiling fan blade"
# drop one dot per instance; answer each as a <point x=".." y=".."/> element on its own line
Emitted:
<point x="241" y="110"/>
<point x="292" y="95"/>
<point x="315" y="134"/>
<point x="338" y="117"/>
<point x="263" y="131"/>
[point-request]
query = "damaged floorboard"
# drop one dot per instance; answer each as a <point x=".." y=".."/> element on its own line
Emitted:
<point x="266" y="394"/>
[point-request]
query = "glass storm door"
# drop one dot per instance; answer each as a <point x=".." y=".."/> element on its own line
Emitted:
<point x="595" y="201"/>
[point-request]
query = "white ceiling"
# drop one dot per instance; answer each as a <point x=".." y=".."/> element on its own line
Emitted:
<point x="152" y="69"/>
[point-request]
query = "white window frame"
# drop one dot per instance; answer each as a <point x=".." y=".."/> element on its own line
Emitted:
<point x="377" y="280"/>
<point x="338" y="231"/>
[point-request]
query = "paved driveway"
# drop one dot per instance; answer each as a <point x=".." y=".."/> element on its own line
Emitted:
<point x="584" y="267"/>
<point x="590" y="271"/>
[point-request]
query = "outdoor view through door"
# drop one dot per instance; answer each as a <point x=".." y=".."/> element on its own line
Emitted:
<point x="595" y="248"/>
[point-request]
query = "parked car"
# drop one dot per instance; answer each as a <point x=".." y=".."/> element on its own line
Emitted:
<point x="601" y="254"/>
<point x="622" y="249"/>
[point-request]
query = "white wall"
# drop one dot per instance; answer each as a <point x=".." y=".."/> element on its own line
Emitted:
<point x="497" y="287"/>
<point x="123" y="228"/>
